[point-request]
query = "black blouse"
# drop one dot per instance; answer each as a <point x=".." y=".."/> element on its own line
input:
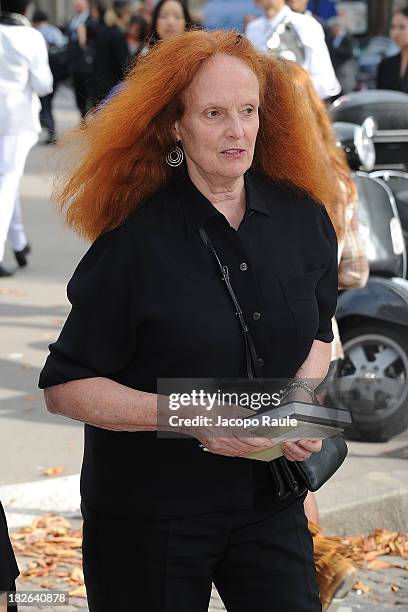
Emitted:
<point x="148" y="303"/>
<point x="389" y="74"/>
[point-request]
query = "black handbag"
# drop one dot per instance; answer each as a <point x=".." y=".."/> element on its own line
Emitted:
<point x="290" y="476"/>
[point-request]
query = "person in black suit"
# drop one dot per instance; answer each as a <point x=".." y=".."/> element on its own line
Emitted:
<point x="393" y="71"/>
<point x="8" y="565"/>
<point x="80" y="61"/>
<point x="105" y="33"/>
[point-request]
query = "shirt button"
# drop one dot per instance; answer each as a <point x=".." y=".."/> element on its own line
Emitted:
<point x="256" y="316"/>
<point x="260" y="361"/>
<point x="243" y="266"/>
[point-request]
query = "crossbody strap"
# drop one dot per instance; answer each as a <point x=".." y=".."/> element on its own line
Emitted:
<point x="252" y="362"/>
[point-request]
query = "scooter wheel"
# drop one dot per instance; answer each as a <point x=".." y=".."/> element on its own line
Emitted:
<point x="372" y="381"/>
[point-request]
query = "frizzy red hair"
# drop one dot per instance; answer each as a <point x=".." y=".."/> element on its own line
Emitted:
<point x="118" y="159"/>
<point x="337" y="161"/>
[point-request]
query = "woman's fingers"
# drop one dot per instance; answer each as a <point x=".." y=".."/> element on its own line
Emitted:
<point x="234" y="446"/>
<point x="301" y="450"/>
<point x="295" y="455"/>
<point x="237" y="447"/>
<point x="311" y="445"/>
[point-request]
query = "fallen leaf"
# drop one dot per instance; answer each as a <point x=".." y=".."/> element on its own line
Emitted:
<point x="46" y="584"/>
<point x="73" y="542"/>
<point x="395" y="587"/>
<point x="373" y="554"/>
<point x="378" y="564"/>
<point x="404" y="453"/>
<point x="359" y="586"/>
<point x="77" y="575"/>
<point x="65" y="553"/>
<point x="14" y="537"/>
<point x="8" y="291"/>
<point x="54" y="471"/>
<point x="79" y="592"/>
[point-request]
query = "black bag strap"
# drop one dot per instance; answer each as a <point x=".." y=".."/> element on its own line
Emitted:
<point x="252" y="361"/>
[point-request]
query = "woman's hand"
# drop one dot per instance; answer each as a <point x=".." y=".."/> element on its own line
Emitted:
<point x="233" y="445"/>
<point x="301" y="449"/>
<point x="223" y="433"/>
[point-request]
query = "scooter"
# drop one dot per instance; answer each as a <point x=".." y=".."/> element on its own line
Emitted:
<point x="372" y="381"/>
<point x="389" y="111"/>
<point x="397" y="181"/>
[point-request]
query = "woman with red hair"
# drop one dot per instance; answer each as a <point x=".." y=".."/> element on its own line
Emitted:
<point x="205" y="200"/>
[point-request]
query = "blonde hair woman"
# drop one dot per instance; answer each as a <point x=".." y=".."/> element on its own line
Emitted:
<point x="333" y="570"/>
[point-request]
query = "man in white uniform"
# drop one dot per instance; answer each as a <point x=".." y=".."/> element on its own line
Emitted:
<point x="317" y="59"/>
<point x="24" y="76"/>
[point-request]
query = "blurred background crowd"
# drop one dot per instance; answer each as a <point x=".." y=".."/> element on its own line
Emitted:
<point x="91" y="43"/>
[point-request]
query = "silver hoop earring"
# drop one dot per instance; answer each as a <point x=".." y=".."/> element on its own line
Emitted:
<point x="175" y="157"/>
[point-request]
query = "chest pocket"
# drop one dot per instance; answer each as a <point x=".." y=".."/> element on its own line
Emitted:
<point x="300" y="295"/>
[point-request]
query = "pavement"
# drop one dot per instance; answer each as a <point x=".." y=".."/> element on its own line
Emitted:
<point x="369" y="491"/>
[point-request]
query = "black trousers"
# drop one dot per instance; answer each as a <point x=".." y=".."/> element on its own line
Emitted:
<point x="259" y="560"/>
<point x="46" y="114"/>
<point x="83" y="92"/>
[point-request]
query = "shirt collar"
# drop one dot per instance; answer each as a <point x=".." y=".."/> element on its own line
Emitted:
<point x="198" y="210"/>
<point x="16" y="19"/>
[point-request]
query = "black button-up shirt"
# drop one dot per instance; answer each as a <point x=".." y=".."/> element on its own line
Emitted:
<point x="148" y="303"/>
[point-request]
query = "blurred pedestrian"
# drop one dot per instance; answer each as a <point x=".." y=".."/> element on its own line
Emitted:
<point x="143" y="11"/>
<point x="301" y="6"/>
<point x="336" y="574"/>
<point x="105" y="32"/>
<point x="57" y="56"/>
<point x="24" y="75"/>
<point x="323" y="9"/>
<point x="295" y="36"/>
<point x="170" y="17"/>
<point x="136" y="35"/>
<point x="53" y="35"/>
<point x="8" y="565"/>
<point x="81" y="58"/>
<point x="342" y="50"/>
<point x="217" y="14"/>
<point x="393" y="71"/>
